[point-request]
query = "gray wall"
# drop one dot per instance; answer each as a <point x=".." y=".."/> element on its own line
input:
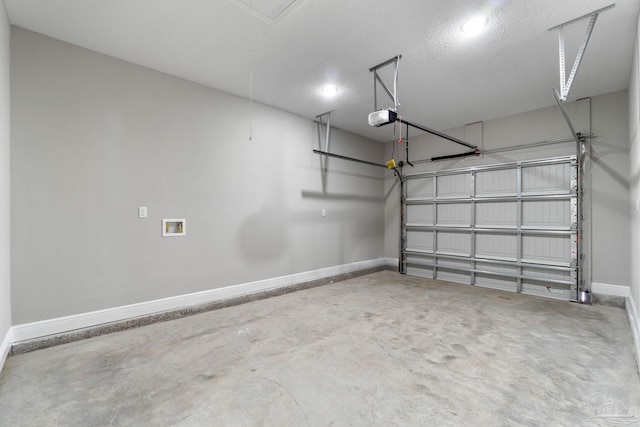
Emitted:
<point x="607" y="179"/>
<point x="93" y="138"/>
<point x="5" y="132"/>
<point x="634" y="137"/>
<point x="610" y="177"/>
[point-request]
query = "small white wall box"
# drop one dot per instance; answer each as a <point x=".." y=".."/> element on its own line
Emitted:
<point x="174" y="227"/>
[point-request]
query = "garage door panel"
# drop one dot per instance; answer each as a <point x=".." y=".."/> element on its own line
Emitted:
<point x="540" y="289"/>
<point x="500" y="182"/>
<point x="422" y="260"/>
<point x="550" y="277"/>
<point x="454" y="214"/>
<point x="458" y="185"/>
<point x="454" y="271"/>
<point x="496" y="282"/>
<point x="496" y="214"/>
<point x="497" y="246"/>
<point x="547" y="249"/>
<point x="454" y="243"/>
<point x="420" y="214"/>
<point x="420" y="272"/>
<point x="420" y="240"/>
<point x="501" y="279"/>
<point x="420" y="188"/>
<point x="549" y="214"/>
<point x="547" y="179"/>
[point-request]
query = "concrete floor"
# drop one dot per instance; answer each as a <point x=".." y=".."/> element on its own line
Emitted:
<point x="381" y="349"/>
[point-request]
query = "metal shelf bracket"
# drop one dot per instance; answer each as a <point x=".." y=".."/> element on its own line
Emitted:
<point x="327" y="128"/>
<point x="378" y="80"/>
<point x="565" y="84"/>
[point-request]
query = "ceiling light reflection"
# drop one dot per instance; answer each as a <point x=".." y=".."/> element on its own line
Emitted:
<point x="474" y="26"/>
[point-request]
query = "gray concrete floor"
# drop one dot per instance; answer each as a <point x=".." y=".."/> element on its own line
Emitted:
<point x="381" y="349"/>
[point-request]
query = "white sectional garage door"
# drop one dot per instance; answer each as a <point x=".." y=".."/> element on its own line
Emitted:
<point x="509" y="226"/>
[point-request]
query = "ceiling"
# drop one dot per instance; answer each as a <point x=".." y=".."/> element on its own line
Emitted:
<point x="288" y="49"/>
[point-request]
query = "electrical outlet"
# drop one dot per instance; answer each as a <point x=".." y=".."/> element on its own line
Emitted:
<point x="142" y="212"/>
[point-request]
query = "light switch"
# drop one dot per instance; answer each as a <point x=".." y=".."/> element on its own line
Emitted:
<point x="324" y="212"/>
<point x="142" y="212"/>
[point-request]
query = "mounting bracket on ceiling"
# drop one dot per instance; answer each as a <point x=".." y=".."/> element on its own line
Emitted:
<point x="324" y="151"/>
<point x="378" y="80"/>
<point x="326" y="126"/>
<point x="565" y="84"/>
<point x="383" y="117"/>
<point x="324" y="161"/>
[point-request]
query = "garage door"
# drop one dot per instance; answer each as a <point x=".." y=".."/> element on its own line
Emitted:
<point x="508" y="226"/>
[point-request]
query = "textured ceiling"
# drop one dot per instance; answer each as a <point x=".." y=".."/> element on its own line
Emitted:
<point x="294" y="47"/>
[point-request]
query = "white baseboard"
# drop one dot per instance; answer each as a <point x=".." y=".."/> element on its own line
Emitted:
<point x="5" y="347"/>
<point x="611" y="290"/>
<point x="59" y="325"/>
<point x="634" y="323"/>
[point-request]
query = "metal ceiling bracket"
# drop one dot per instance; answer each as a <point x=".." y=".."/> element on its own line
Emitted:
<point x="565" y="84"/>
<point x="378" y="80"/>
<point x="394" y="97"/>
<point x="324" y="151"/>
<point x="327" y="127"/>
<point x="324" y="161"/>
